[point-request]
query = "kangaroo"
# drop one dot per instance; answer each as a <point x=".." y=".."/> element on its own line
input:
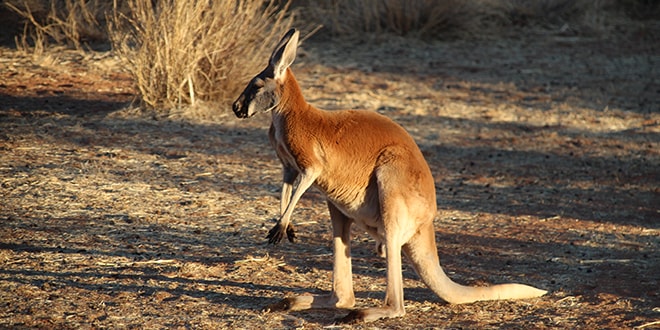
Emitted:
<point x="372" y="174"/>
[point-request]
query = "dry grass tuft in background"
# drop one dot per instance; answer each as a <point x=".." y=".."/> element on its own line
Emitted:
<point x="416" y="17"/>
<point x="70" y="23"/>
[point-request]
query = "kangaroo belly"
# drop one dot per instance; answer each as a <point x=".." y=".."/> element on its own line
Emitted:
<point x="361" y="205"/>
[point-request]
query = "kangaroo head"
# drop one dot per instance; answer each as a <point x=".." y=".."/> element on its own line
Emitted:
<point x="263" y="92"/>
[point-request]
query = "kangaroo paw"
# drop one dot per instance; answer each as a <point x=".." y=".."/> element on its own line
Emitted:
<point x="275" y="234"/>
<point x="278" y="231"/>
<point x="290" y="233"/>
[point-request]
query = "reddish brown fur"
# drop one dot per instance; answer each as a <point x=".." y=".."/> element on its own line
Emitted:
<point x="352" y="144"/>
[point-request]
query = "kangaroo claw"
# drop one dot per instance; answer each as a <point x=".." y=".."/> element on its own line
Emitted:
<point x="278" y="231"/>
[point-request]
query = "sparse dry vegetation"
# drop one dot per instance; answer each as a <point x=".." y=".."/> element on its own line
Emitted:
<point x="437" y="19"/>
<point x="182" y="52"/>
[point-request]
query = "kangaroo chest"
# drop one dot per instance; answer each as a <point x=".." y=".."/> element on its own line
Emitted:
<point x="354" y="193"/>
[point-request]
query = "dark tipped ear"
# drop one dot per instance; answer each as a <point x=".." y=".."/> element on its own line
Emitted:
<point x="284" y="53"/>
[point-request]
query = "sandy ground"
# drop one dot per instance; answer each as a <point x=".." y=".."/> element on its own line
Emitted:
<point x="545" y="149"/>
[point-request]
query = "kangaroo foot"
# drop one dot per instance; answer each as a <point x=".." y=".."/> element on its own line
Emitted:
<point x="369" y="315"/>
<point x="299" y="303"/>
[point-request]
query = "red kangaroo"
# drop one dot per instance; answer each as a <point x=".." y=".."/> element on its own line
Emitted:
<point x="372" y="174"/>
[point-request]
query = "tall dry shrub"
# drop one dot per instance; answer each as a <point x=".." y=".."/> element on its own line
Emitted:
<point x="180" y="52"/>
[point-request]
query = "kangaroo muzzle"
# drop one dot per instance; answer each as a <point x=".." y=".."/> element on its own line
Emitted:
<point x="240" y="110"/>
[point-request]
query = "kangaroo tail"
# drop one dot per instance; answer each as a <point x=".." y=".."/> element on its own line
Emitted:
<point x="422" y="252"/>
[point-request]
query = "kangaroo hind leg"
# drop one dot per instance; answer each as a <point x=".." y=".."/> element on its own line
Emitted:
<point x="394" y="229"/>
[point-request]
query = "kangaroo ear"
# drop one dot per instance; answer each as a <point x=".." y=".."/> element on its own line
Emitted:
<point x="284" y="54"/>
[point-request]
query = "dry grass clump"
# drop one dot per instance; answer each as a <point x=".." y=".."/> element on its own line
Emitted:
<point x="72" y="23"/>
<point x="179" y="52"/>
<point x="405" y="17"/>
<point x="581" y="16"/>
